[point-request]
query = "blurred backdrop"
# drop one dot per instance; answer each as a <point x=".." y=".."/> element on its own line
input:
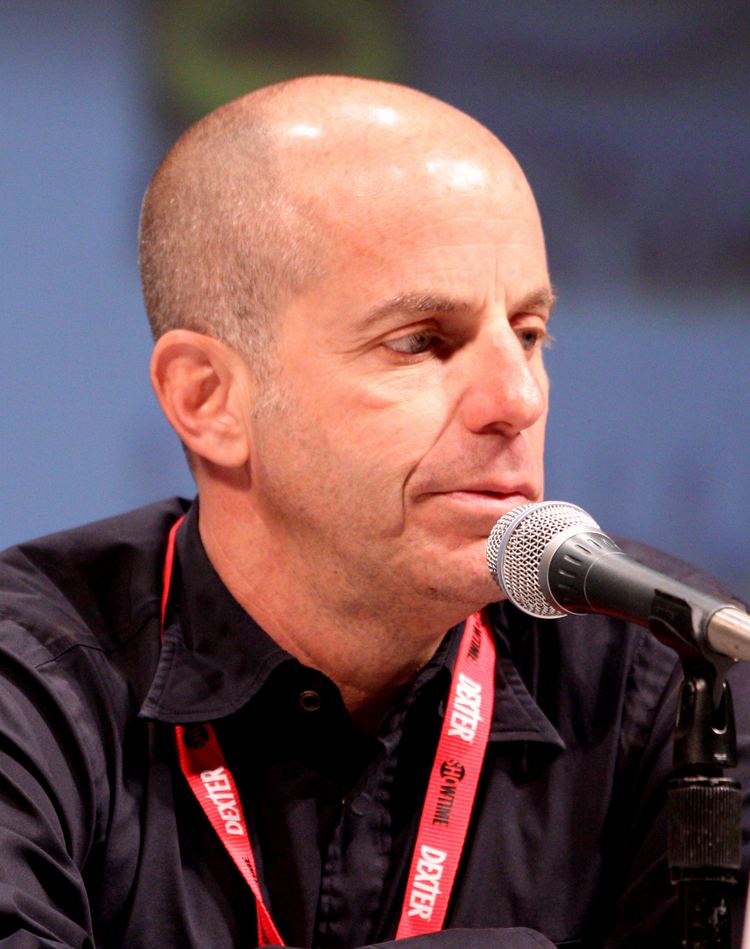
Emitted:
<point x="631" y="119"/>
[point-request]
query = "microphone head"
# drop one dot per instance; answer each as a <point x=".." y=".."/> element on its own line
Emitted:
<point x="517" y="544"/>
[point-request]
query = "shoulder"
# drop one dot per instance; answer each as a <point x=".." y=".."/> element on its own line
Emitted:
<point x="92" y="585"/>
<point x="79" y="640"/>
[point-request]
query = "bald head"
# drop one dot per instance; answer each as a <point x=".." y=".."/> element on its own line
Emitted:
<point x="245" y="209"/>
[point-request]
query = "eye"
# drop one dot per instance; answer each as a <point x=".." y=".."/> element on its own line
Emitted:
<point x="533" y="337"/>
<point x="415" y="343"/>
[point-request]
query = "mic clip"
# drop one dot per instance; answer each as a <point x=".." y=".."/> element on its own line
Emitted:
<point x="684" y="629"/>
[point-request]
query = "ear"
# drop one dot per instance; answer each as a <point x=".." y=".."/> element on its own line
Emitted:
<point x="203" y="388"/>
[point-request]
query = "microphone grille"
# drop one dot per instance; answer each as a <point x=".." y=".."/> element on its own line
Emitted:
<point x="517" y="543"/>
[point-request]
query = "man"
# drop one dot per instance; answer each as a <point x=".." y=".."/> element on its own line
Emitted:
<point x="348" y="287"/>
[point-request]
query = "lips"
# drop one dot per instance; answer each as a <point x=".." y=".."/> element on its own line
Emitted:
<point x="524" y="492"/>
<point x="483" y="501"/>
<point x="509" y="499"/>
<point x="493" y="486"/>
<point x="493" y="490"/>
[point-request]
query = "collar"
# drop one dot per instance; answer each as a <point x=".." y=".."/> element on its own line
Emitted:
<point x="215" y="658"/>
<point x="517" y="716"/>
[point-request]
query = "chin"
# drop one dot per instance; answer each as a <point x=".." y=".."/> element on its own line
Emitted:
<point x="468" y="590"/>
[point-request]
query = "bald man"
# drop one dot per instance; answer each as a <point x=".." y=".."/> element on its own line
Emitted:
<point x="285" y="713"/>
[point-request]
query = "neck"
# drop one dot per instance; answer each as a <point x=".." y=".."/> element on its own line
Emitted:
<point x="372" y="651"/>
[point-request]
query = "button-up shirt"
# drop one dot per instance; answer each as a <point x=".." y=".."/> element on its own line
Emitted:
<point x="103" y="842"/>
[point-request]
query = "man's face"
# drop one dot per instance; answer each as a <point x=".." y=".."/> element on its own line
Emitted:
<point x="409" y="402"/>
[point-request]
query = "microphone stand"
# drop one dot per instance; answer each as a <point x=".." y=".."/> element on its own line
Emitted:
<point x="703" y="806"/>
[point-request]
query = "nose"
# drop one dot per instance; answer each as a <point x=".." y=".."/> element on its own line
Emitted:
<point x="505" y="389"/>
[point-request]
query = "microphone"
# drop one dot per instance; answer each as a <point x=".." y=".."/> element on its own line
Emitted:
<point x="551" y="558"/>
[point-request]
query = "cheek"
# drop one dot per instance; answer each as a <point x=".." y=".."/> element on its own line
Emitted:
<point x="397" y="432"/>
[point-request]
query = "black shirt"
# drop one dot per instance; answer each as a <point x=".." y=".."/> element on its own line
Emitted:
<point x="103" y="843"/>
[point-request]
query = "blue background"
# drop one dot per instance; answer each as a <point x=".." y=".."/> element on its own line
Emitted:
<point x="632" y="123"/>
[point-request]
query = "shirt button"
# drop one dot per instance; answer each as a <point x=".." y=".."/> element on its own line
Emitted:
<point x="360" y="805"/>
<point x="309" y="700"/>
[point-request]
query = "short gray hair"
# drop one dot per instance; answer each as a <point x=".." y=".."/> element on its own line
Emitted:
<point x="222" y="241"/>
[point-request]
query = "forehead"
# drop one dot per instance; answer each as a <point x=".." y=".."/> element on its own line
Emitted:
<point x="458" y="228"/>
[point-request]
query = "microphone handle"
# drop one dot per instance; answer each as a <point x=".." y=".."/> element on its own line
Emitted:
<point x="729" y="633"/>
<point x="588" y="573"/>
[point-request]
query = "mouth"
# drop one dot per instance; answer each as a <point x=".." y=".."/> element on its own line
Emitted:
<point x="490" y="494"/>
<point x="487" y="500"/>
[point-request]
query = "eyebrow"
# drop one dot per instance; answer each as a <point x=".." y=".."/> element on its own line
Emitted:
<point x="541" y="298"/>
<point x="414" y="303"/>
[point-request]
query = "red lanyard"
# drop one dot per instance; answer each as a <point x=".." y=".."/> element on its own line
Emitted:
<point x="450" y="793"/>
